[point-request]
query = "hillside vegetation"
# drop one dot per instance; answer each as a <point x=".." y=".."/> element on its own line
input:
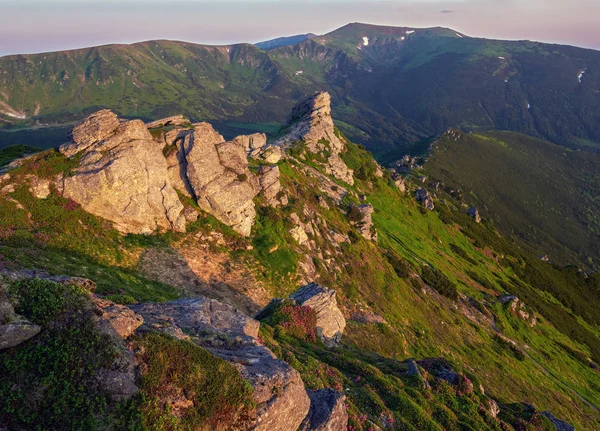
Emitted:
<point x="545" y="196"/>
<point x="431" y="285"/>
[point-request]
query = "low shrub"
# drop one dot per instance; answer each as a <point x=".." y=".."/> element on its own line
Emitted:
<point x="437" y="280"/>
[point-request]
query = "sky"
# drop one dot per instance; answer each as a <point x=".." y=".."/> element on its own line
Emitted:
<point x="28" y="26"/>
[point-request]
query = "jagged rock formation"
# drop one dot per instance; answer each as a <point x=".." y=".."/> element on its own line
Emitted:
<point x="271" y="186"/>
<point x="310" y="121"/>
<point x="423" y="196"/>
<point x="474" y="212"/>
<point x="279" y="393"/>
<point x="129" y="177"/>
<point x="330" y="320"/>
<point x="327" y="411"/>
<point x="122" y="175"/>
<point x="217" y="174"/>
<point x="360" y="216"/>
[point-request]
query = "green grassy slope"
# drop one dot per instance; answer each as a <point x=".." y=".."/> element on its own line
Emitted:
<point x="466" y="265"/>
<point x="400" y="88"/>
<point x="543" y="194"/>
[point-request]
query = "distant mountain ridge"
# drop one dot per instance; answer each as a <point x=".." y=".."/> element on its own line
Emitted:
<point x="284" y="41"/>
<point x="390" y="86"/>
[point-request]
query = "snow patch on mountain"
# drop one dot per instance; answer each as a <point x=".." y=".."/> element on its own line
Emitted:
<point x="365" y="41"/>
<point x="580" y="75"/>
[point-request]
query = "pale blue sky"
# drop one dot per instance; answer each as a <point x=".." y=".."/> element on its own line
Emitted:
<point x="48" y="25"/>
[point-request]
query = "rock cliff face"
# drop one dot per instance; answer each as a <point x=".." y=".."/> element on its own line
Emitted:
<point x="310" y="121"/>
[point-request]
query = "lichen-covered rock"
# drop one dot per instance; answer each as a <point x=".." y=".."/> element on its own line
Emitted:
<point x="270" y="185"/>
<point x="330" y="320"/>
<point x="16" y="332"/>
<point x="93" y="129"/>
<point x="120" y="318"/>
<point x="327" y="411"/>
<point x="279" y="393"/>
<point x="218" y="175"/>
<point x="360" y="216"/>
<point x="310" y="121"/>
<point x="424" y="197"/>
<point x="123" y="177"/>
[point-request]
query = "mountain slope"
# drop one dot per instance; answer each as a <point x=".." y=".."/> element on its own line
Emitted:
<point x="539" y="192"/>
<point x="411" y="283"/>
<point x="391" y="86"/>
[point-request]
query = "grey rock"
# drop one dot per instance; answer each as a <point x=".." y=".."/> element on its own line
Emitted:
<point x="327" y="411"/>
<point x="558" y="424"/>
<point x="330" y="320"/>
<point x="219" y="177"/>
<point x="93" y="129"/>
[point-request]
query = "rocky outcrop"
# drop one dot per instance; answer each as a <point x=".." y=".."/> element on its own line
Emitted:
<point x="327" y="411"/>
<point x="216" y="174"/>
<point x="360" y="217"/>
<point x="14" y="329"/>
<point x="310" y="121"/>
<point x="424" y="197"/>
<point x="330" y="320"/>
<point x="517" y="307"/>
<point x="122" y="176"/>
<point x="279" y="393"/>
<point x="270" y="185"/>
<point x="474" y="213"/>
<point x="127" y="176"/>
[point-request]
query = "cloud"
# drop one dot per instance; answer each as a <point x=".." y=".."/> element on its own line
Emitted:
<point x="446" y="11"/>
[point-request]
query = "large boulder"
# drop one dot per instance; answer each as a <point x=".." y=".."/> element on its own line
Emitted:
<point x="327" y="411"/>
<point x="310" y="121"/>
<point x="330" y="320"/>
<point x="122" y="176"/>
<point x="279" y="393"/>
<point x="14" y="329"/>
